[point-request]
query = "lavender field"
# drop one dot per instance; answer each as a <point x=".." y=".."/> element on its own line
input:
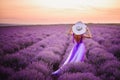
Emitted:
<point x="34" y="52"/>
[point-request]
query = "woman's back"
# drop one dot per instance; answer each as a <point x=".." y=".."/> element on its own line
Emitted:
<point x="78" y="38"/>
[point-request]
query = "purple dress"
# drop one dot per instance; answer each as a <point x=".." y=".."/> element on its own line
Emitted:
<point x="76" y="54"/>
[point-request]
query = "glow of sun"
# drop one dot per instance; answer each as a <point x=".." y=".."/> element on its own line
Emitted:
<point x="62" y="4"/>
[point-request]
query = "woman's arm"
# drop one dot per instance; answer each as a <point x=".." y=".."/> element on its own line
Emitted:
<point x="70" y="31"/>
<point x="88" y="33"/>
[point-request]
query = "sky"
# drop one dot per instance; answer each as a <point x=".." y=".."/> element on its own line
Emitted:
<point x="59" y="11"/>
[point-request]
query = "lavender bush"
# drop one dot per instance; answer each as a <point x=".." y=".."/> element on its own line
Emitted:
<point x="48" y="57"/>
<point x="40" y="67"/>
<point x="14" y="61"/>
<point x="115" y="50"/>
<point x="78" y="67"/>
<point x="110" y="68"/>
<point x="27" y="75"/>
<point x="98" y="56"/>
<point x="78" y="76"/>
<point x="5" y="72"/>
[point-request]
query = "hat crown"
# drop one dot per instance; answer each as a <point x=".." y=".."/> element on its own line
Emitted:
<point x="79" y="28"/>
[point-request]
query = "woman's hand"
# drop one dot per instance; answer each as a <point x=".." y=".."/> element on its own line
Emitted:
<point x="87" y="29"/>
<point x="88" y="33"/>
<point x="70" y="31"/>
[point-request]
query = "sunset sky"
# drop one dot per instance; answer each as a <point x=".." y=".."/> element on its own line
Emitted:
<point x="59" y="11"/>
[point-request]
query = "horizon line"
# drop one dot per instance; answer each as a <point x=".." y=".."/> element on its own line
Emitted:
<point x="9" y="25"/>
<point x="57" y="23"/>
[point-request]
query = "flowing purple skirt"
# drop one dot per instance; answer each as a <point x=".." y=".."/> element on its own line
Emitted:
<point x="76" y="55"/>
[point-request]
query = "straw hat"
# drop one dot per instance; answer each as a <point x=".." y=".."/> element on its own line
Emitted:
<point x="79" y="28"/>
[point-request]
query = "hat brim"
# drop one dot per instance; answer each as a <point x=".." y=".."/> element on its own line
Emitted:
<point x="82" y="31"/>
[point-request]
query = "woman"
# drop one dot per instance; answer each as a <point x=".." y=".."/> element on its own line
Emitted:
<point x="79" y="31"/>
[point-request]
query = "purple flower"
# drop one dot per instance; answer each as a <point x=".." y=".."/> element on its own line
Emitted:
<point x="98" y="56"/>
<point x="27" y="75"/>
<point x="78" y="76"/>
<point x="15" y="61"/>
<point x="115" y="50"/>
<point x="78" y="67"/>
<point x="111" y="69"/>
<point x="40" y="67"/>
<point x="5" y="72"/>
<point x="48" y="57"/>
